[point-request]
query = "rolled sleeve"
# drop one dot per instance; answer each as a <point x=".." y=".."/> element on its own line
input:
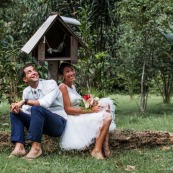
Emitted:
<point x="51" y="93"/>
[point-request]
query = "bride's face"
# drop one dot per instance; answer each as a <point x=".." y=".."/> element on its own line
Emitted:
<point x="69" y="74"/>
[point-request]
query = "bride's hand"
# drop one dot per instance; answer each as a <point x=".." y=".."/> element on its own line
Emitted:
<point x="97" y="108"/>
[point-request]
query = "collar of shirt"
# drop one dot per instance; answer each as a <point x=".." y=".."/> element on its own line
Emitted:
<point x="39" y="87"/>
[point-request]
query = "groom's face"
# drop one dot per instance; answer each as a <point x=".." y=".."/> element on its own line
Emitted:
<point x="31" y="75"/>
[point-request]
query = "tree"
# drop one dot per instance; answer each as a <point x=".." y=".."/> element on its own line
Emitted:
<point x="138" y="43"/>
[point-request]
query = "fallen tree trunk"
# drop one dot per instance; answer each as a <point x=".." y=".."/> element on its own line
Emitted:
<point x="119" y="139"/>
<point x="127" y="139"/>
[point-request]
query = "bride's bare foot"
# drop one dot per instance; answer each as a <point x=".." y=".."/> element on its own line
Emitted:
<point x="106" y="151"/>
<point x="97" y="155"/>
<point x="105" y="147"/>
<point x="19" y="151"/>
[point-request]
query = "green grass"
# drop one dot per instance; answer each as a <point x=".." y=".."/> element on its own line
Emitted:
<point x="143" y="160"/>
<point x="4" y="116"/>
<point x="158" y="117"/>
<point x="4" y="108"/>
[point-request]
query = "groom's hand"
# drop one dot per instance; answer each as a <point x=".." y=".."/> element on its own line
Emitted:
<point x="14" y="108"/>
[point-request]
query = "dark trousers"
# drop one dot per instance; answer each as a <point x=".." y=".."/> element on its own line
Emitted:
<point x="40" y="121"/>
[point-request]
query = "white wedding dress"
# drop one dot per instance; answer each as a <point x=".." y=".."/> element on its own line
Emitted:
<point x="82" y="130"/>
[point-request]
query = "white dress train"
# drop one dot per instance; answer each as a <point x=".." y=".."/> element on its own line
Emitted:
<point x="82" y="130"/>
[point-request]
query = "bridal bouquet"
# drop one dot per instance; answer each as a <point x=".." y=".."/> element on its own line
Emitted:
<point x="90" y="101"/>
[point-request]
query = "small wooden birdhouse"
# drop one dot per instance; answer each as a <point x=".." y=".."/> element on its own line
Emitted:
<point x="55" y="41"/>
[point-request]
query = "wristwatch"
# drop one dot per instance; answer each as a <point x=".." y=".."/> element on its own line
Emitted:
<point x="26" y="101"/>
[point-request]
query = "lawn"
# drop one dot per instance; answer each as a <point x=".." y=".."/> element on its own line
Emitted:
<point x="143" y="160"/>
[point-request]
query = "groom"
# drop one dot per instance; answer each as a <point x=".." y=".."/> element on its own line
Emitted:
<point x="41" y="111"/>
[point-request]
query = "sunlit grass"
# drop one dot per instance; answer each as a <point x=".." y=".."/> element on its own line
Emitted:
<point x="141" y="160"/>
<point x="4" y="116"/>
<point x="158" y="116"/>
<point x="4" y="108"/>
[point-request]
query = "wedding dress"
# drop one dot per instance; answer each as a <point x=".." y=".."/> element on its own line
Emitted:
<point x="82" y="130"/>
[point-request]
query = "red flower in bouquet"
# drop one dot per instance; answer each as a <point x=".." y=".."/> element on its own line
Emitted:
<point x="86" y="96"/>
<point x="89" y="100"/>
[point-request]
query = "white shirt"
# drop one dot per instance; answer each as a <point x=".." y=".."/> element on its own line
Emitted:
<point x="48" y="95"/>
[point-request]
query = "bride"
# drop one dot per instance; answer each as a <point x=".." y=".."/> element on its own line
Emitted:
<point x="85" y="126"/>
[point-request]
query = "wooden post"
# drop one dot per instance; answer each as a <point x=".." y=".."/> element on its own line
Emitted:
<point x="53" y="70"/>
<point x="74" y="50"/>
<point x="41" y="52"/>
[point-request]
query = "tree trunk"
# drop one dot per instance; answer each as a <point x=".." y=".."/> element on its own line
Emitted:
<point x="126" y="139"/>
<point x="143" y="91"/>
<point x="167" y="88"/>
<point x="130" y="139"/>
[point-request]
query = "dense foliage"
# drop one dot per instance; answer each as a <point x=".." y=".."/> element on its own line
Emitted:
<point x="127" y="48"/>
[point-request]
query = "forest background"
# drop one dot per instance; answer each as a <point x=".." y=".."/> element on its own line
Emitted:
<point x="130" y="44"/>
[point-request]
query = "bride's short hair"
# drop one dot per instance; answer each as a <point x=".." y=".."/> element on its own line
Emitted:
<point x="62" y="66"/>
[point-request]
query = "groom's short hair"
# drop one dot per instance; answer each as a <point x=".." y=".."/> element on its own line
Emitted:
<point x="22" y="73"/>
